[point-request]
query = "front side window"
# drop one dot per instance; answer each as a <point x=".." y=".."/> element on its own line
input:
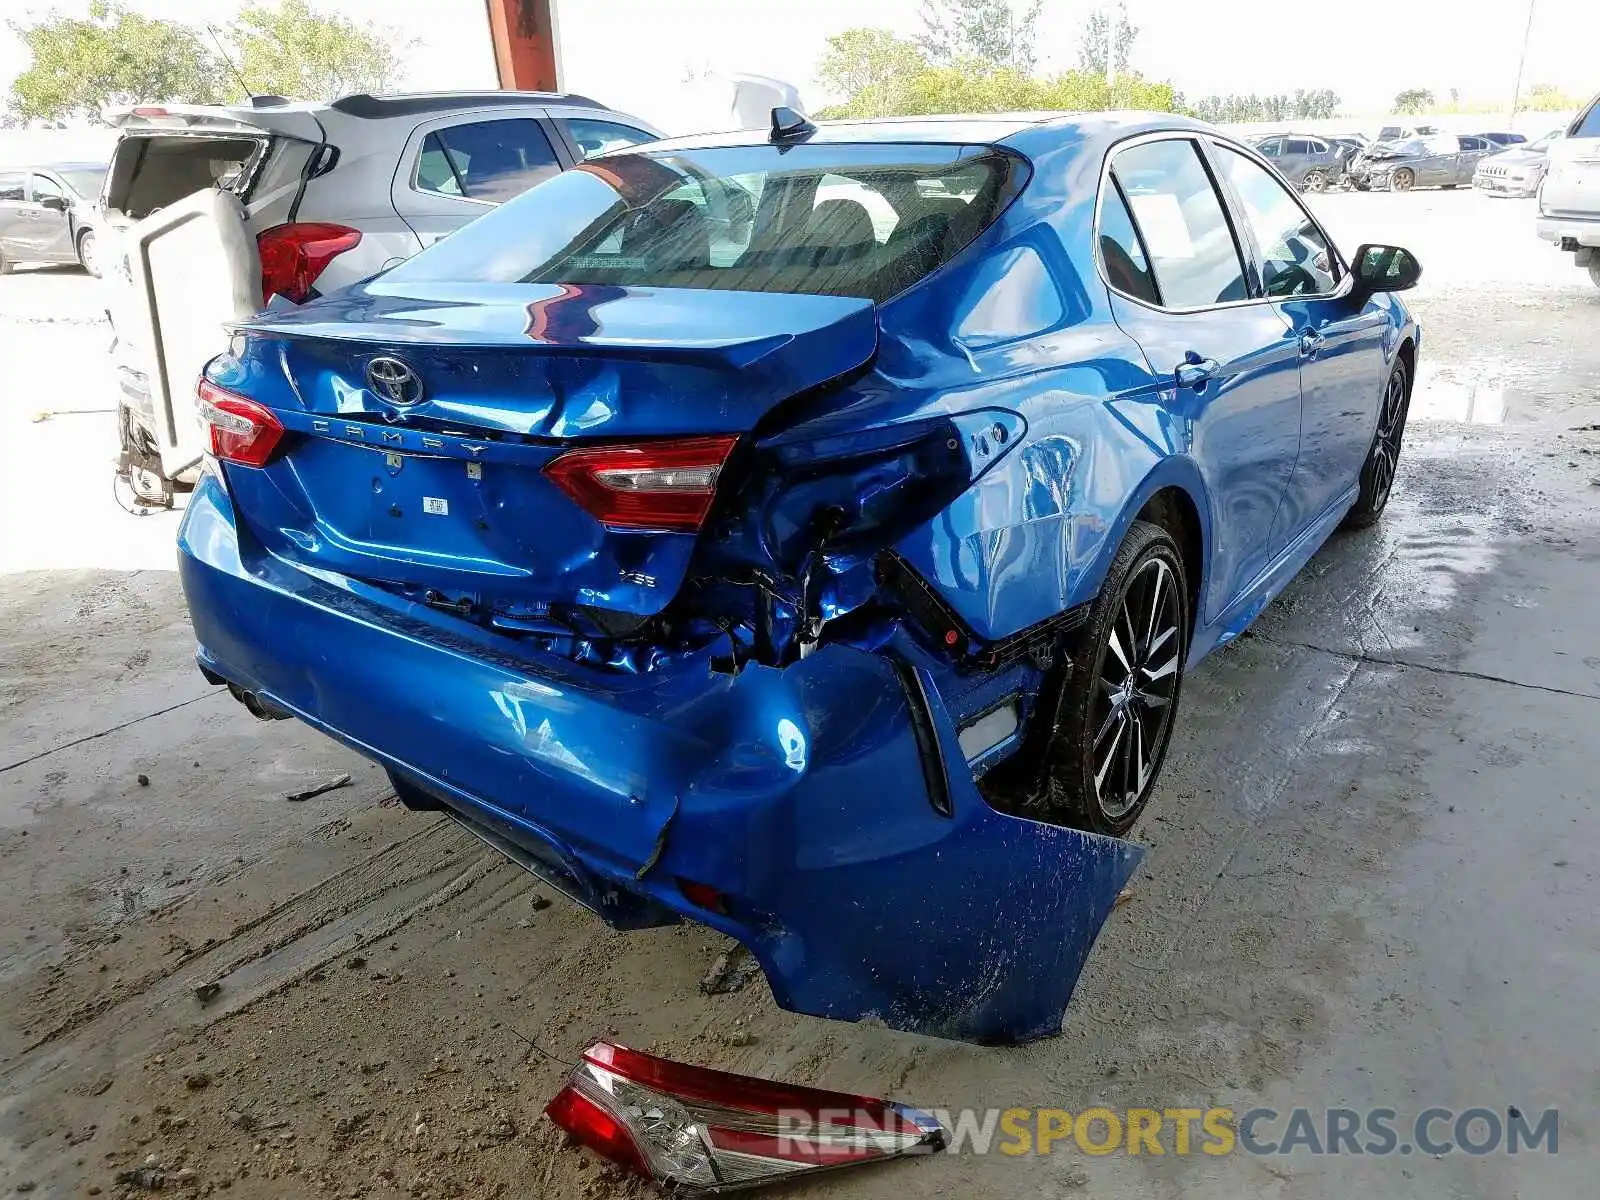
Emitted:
<point x="1296" y="259"/>
<point x="593" y="137"/>
<point x="863" y="221"/>
<point x="44" y="186"/>
<point x="1272" y="148"/>
<point x="491" y="161"/>
<point x="1183" y="224"/>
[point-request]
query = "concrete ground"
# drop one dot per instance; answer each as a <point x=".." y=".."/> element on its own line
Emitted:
<point x="1373" y="879"/>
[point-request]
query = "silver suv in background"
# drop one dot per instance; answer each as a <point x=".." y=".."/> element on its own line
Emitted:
<point x="217" y="210"/>
<point x="1569" y="197"/>
<point x="1312" y="164"/>
<point x="48" y="214"/>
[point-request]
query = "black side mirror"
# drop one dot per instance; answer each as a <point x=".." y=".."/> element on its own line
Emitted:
<point x="58" y="203"/>
<point x="1385" y="269"/>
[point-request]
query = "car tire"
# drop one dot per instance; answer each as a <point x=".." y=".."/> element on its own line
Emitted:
<point x="88" y="252"/>
<point x="1383" y="457"/>
<point x="1402" y="181"/>
<point x="1110" y="733"/>
<point x="1314" y="181"/>
<point x="1594" y="271"/>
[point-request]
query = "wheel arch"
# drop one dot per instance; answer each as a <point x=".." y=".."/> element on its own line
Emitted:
<point x="1174" y="496"/>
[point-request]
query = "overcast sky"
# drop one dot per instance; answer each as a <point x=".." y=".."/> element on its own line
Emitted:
<point x="633" y="53"/>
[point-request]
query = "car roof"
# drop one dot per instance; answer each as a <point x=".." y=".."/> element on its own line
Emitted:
<point x="405" y="104"/>
<point x="1028" y="132"/>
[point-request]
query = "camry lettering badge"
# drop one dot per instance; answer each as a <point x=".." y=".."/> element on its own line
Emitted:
<point x="394" y="381"/>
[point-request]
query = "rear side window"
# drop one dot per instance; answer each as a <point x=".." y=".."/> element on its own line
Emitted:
<point x="1181" y="219"/>
<point x="864" y="221"/>
<point x="1121" y="252"/>
<point x="1588" y="123"/>
<point x="11" y="186"/>
<point x="593" y="137"/>
<point x="1299" y="146"/>
<point x="491" y="161"/>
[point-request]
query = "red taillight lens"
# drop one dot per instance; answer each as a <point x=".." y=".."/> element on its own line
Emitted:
<point x="241" y="430"/>
<point x="648" y="485"/>
<point x="293" y="256"/>
<point x="700" y="1130"/>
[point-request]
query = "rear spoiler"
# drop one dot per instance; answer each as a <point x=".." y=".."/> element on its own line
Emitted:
<point x="258" y="120"/>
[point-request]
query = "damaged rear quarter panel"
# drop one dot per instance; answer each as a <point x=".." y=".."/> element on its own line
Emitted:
<point x="861" y="901"/>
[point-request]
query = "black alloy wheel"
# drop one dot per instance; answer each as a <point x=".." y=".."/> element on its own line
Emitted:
<point x="1116" y="711"/>
<point x="1383" y="459"/>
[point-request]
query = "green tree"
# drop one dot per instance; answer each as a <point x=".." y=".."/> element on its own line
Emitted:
<point x="990" y="32"/>
<point x="292" y="49"/>
<point x="1547" y="97"/>
<point x="1316" y="105"/>
<point x="1414" y="100"/>
<point x="1094" y="43"/>
<point x="113" y="57"/>
<point x="872" y="68"/>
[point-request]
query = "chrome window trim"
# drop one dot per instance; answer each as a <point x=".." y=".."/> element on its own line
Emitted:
<point x="1202" y="141"/>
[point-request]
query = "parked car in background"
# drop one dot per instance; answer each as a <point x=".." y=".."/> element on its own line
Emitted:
<point x="1569" y="198"/>
<point x="1438" y="160"/>
<point x="1312" y="164"/>
<point x="1517" y="171"/>
<point x="1403" y="133"/>
<point x="1502" y="138"/>
<point x="48" y="214"/>
<point x="221" y="208"/>
<point x="796" y="574"/>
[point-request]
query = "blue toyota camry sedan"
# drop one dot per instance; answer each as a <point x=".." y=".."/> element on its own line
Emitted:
<point x="807" y="531"/>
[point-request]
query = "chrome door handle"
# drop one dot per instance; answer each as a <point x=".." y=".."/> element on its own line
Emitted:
<point x="1195" y="372"/>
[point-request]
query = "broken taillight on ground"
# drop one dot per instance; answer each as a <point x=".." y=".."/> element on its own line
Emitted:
<point x="704" y="1131"/>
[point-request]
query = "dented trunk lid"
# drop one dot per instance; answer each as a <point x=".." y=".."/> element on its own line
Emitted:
<point x="444" y="496"/>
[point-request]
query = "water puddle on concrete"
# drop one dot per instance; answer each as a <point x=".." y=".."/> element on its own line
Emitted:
<point x="1472" y="395"/>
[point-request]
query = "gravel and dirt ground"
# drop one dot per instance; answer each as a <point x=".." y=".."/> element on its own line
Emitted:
<point x="1373" y="878"/>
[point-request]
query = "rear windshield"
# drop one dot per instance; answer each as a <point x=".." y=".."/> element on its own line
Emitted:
<point x="149" y="173"/>
<point x="864" y="221"/>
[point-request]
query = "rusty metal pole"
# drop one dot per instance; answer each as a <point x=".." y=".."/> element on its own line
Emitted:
<point x="525" y="53"/>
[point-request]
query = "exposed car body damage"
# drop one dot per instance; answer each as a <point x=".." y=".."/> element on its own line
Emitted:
<point x="750" y="785"/>
<point x="811" y="714"/>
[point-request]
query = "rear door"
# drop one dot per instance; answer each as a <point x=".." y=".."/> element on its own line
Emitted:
<point x="456" y="168"/>
<point x="1180" y="289"/>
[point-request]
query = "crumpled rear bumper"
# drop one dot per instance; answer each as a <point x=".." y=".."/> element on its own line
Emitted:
<point x="804" y="798"/>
